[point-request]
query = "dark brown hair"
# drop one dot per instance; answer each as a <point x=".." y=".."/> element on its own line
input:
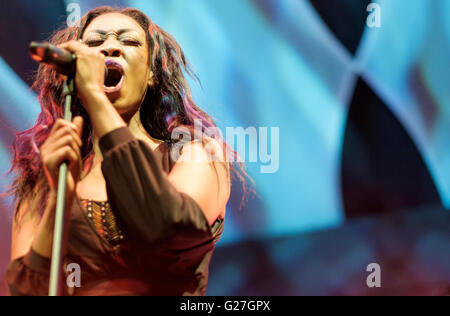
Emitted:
<point x="167" y="105"/>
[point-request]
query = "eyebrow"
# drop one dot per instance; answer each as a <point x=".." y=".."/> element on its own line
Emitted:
<point x="119" y="32"/>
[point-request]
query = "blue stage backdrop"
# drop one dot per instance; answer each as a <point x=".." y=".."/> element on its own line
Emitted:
<point x="296" y="65"/>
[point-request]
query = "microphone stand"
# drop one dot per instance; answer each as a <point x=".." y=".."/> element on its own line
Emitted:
<point x="55" y="283"/>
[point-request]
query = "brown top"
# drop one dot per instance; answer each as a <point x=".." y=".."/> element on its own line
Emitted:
<point x="166" y="243"/>
<point x="104" y="220"/>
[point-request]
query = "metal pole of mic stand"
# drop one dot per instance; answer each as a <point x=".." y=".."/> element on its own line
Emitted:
<point x="55" y="284"/>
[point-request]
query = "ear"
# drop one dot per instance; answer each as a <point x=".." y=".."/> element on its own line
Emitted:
<point x="150" y="81"/>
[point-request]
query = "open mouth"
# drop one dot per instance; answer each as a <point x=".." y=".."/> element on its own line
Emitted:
<point x="114" y="79"/>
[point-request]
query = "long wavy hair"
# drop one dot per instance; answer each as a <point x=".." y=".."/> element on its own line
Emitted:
<point x="168" y="104"/>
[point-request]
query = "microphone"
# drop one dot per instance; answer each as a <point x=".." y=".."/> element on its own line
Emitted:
<point x="63" y="60"/>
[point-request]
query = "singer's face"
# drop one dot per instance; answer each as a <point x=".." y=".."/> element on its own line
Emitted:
<point x="123" y="41"/>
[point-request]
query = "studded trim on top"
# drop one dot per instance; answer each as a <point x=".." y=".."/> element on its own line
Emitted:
<point x="101" y="215"/>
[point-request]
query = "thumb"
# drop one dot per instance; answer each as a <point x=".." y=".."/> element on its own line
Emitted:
<point x="78" y="121"/>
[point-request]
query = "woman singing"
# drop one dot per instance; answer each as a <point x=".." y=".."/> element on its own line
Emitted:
<point x="140" y="222"/>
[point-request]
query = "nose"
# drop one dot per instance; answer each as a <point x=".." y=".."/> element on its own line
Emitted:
<point x="111" y="51"/>
<point x="111" y="47"/>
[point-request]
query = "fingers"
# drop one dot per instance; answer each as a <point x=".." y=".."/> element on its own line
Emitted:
<point x="66" y="154"/>
<point x="90" y="68"/>
<point x="63" y="145"/>
<point x="64" y="133"/>
<point x="62" y="123"/>
<point x="63" y="128"/>
<point x="67" y="141"/>
<point x="53" y="158"/>
<point x="78" y="122"/>
<point x="78" y="48"/>
<point x="73" y="46"/>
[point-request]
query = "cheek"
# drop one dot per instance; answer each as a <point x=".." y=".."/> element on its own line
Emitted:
<point x="139" y="68"/>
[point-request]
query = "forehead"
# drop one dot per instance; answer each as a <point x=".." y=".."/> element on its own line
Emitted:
<point x="113" y="22"/>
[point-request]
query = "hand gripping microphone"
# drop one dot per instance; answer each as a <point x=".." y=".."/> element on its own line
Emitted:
<point x="63" y="60"/>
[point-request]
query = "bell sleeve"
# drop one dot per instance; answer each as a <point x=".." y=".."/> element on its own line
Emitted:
<point x="149" y="207"/>
<point x="28" y="275"/>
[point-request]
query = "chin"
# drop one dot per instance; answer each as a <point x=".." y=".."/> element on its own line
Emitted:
<point x="125" y="110"/>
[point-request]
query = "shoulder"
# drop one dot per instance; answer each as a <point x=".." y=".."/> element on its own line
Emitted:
<point x="208" y="150"/>
<point x="202" y="172"/>
<point x="206" y="160"/>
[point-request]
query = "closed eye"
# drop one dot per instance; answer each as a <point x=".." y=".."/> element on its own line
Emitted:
<point x="94" y="43"/>
<point x="130" y="42"/>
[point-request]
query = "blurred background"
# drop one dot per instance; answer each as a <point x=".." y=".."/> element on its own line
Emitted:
<point x="364" y="122"/>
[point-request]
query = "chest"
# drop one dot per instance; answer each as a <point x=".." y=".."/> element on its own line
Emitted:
<point x="93" y="186"/>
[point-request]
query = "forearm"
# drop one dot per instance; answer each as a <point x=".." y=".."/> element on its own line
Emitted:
<point x="103" y="115"/>
<point x="43" y="240"/>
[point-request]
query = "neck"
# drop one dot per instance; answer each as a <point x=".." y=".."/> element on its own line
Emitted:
<point x="138" y="131"/>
